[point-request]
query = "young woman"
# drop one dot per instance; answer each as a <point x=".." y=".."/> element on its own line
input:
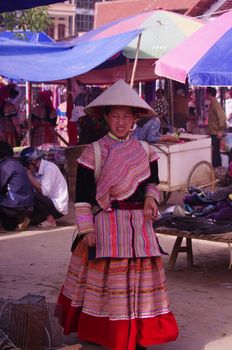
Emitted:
<point x="115" y="292"/>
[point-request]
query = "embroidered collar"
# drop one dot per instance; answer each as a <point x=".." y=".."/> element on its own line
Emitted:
<point x="117" y="139"/>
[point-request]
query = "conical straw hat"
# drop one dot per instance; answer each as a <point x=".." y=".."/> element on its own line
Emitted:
<point x="119" y="94"/>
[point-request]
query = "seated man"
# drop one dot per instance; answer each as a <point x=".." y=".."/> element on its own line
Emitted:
<point x="160" y="106"/>
<point x="16" y="197"/>
<point x="148" y="129"/>
<point x="50" y="188"/>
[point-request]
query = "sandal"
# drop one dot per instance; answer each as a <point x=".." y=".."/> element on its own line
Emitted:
<point x="46" y="224"/>
<point x="23" y="225"/>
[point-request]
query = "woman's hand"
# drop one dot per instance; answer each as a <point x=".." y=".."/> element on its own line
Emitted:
<point x="90" y="239"/>
<point x="150" y="209"/>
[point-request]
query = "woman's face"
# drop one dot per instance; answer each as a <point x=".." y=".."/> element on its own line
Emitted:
<point x="120" y="120"/>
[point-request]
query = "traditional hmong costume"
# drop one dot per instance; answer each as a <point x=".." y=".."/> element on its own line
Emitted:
<point x="116" y="295"/>
<point x="42" y="132"/>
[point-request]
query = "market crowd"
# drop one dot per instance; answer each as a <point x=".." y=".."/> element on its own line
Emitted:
<point x="49" y="128"/>
<point x="114" y="293"/>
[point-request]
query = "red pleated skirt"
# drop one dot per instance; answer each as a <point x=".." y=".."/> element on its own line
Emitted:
<point x="117" y="303"/>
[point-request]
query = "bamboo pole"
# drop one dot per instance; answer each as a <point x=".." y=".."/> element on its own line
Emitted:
<point x="136" y="61"/>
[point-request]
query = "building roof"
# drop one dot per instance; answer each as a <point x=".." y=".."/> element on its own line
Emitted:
<point x="200" y="7"/>
<point x="226" y="6"/>
<point x="109" y="11"/>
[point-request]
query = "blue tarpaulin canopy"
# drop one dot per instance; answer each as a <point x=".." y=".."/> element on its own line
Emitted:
<point x="42" y="62"/>
<point x="26" y="35"/>
<point x="13" y="5"/>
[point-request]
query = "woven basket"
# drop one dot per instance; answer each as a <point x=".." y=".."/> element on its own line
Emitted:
<point x="27" y="326"/>
<point x="31" y="323"/>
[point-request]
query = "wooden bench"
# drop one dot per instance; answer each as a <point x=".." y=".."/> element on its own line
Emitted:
<point x="178" y="248"/>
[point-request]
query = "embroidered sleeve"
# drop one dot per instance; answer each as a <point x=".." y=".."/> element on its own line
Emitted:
<point x="152" y="191"/>
<point x="84" y="218"/>
<point x="87" y="158"/>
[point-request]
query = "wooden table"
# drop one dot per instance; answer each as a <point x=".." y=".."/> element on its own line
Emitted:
<point x="178" y="248"/>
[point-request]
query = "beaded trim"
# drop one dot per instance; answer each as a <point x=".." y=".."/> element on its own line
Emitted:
<point x="117" y="139"/>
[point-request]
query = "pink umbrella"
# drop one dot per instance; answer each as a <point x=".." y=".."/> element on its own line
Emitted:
<point x="204" y="57"/>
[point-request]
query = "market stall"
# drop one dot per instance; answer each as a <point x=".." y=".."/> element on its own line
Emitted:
<point x="189" y="236"/>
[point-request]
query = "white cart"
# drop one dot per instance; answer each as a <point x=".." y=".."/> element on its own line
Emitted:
<point x="184" y="164"/>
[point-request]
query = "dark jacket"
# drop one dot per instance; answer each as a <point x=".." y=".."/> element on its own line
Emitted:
<point x="15" y="187"/>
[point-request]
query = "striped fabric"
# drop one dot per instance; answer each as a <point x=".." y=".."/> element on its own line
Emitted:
<point x="7" y="130"/>
<point x="120" y="233"/>
<point x="120" y="289"/>
<point x="43" y="132"/>
<point x="152" y="191"/>
<point x="125" y="234"/>
<point x="87" y="157"/>
<point x="118" y="299"/>
<point x="113" y="166"/>
<point x="135" y="170"/>
<point x="84" y="218"/>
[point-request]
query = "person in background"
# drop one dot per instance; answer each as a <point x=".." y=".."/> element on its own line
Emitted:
<point x="62" y="122"/>
<point x="228" y="109"/>
<point x="16" y="197"/>
<point x="148" y="129"/>
<point x="216" y="125"/>
<point x="50" y="188"/>
<point x="191" y="122"/>
<point x="160" y="106"/>
<point x="10" y="130"/>
<point x="91" y="128"/>
<point x="43" y="118"/>
<point x="115" y="291"/>
<point x="180" y="107"/>
<point x="77" y="113"/>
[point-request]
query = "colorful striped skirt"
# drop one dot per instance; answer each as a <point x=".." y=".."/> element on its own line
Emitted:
<point x="117" y="303"/>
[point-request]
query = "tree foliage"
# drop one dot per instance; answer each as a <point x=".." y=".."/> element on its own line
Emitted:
<point x="35" y="19"/>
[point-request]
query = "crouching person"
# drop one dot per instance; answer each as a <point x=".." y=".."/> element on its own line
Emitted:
<point x="50" y="188"/>
<point x="16" y="197"/>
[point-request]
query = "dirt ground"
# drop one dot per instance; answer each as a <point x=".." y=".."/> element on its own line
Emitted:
<point x="35" y="261"/>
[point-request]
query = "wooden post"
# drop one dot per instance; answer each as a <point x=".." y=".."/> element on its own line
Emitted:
<point x="28" y="111"/>
<point x="127" y="70"/>
<point x="135" y="61"/>
<point x="72" y="128"/>
<point x="171" y="107"/>
<point x="177" y="248"/>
